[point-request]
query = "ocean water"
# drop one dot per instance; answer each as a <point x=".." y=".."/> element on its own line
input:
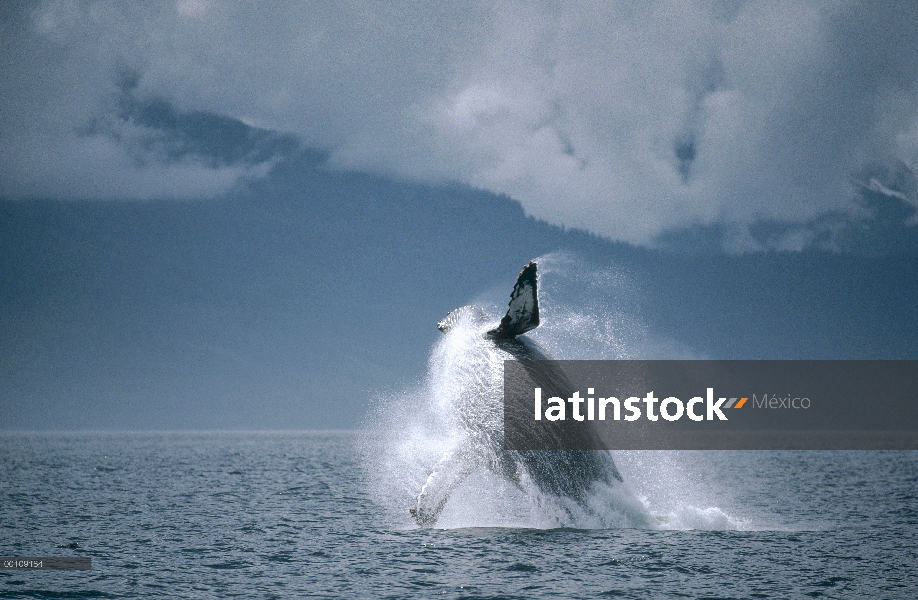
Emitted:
<point x="312" y="514"/>
<point x="295" y="514"/>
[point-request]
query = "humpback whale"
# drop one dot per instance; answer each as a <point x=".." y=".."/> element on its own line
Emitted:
<point x="473" y="355"/>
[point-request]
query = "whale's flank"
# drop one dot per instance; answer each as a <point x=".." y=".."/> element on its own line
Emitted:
<point x="472" y="364"/>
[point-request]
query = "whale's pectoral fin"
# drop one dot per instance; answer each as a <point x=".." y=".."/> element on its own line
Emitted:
<point x="449" y="472"/>
<point x="523" y="312"/>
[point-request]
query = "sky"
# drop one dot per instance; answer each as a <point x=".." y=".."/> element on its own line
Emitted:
<point x="249" y="215"/>
<point x="627" y="120"/>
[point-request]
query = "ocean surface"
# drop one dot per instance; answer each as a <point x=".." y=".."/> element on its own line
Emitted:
<point x="303" y="514"/>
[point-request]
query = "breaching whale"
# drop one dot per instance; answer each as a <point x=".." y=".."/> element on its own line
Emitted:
<point x="473" y="355"/>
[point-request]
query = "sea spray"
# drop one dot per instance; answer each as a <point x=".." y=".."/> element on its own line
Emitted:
<point x="423" y="432"/>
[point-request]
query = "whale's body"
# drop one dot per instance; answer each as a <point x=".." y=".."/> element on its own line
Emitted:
<point x="470" y="360"/>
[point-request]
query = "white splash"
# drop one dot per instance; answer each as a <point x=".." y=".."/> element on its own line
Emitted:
<point x="586" y="313"/>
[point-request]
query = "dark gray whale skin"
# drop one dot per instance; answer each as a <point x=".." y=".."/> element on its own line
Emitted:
<point x="568" y="473"/>
<point x="479" y="409"/>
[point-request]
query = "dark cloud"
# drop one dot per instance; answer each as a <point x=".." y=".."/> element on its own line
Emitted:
<point x="629" y="121"/>
<point x="169" y="135"/>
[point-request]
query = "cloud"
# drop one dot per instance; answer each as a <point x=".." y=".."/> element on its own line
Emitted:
<point x="628" y="121"/>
